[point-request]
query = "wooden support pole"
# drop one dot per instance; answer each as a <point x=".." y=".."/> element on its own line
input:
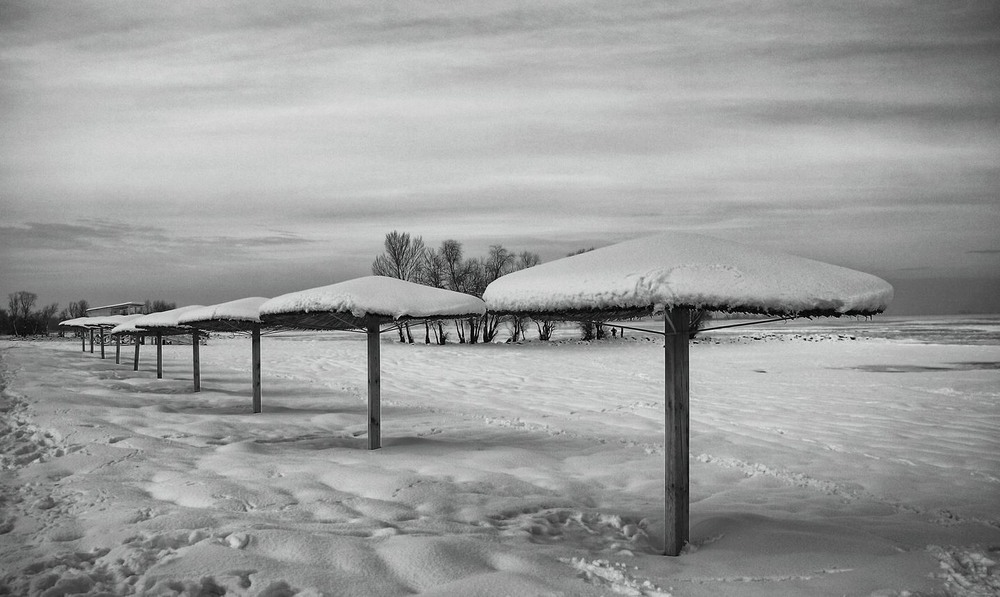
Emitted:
<point x="196" y="358"/>
<point x="374" y="388"/>
<point x="676" y="450"/>
<point x="159" y="355"/>
<point x="135" y="339"/>
<point x="91" y="340"/>
<point x="101" y="332"/>
<point x="83" y="341"/>
<point x="255" y="365"/>
<point x="118" y="349"/>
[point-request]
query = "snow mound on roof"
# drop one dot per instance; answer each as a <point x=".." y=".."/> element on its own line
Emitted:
<point x="164" y="319"/>
<point x="247" y="309"/>
<point x="688" y="270"/>
<point x="126" y="327"/>
<point x="377" y="295"/>
<point x="76" y="322"/>
<point x="111" y="320"/>
<point x="97" y="321"/>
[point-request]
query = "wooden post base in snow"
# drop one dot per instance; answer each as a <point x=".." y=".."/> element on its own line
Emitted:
<point x="374" y="387"/>
<point x="196" y="357"/>
<point x="135" y="366"/>
<point x="676" y="404"/>
<point x="255" y="366"/>
<point x="159" y="355"/>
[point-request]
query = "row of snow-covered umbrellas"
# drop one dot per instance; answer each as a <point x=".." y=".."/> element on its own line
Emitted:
<point x="367" y="304"/>
<point x="671" y="274"/>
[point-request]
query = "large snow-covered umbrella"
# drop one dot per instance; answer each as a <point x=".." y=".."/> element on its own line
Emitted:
<point x="367" y="304"/>
<point x="160" y="324"/>
<point x="239" y="316"/>
<point x="675" y="273"/>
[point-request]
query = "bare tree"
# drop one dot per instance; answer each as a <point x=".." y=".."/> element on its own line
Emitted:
<point x="46" y="317"/>
<point x="78" y="309"/>
<point x="516" y="327"/>
<point x="434" y="271"/>
<point x="25" y="322"/>
<point x="19" y="307"/>
<point x="158" y="306"/>
<point x="451" y="252"/>
<point x="499" y="262"/>
<point x="474" y="283"/>
<point x="463" y="275"/>
<point x="20" y="303"/>
<point x="545" y="328"/>
<point x="526" y="259"/>
<point x="403" y="259"/>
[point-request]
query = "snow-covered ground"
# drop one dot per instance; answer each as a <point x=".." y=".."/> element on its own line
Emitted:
<point x="821" y="465"/>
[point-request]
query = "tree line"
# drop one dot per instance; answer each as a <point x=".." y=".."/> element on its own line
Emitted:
<point x="22" y="319"/>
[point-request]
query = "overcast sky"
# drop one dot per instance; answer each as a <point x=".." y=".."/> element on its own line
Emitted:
<point x="199" y="152"/>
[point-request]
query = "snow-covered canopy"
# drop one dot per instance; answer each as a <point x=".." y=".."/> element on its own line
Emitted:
<point x="349" y="304"/>
<point x="77" y="322"/>
<point x="101" y="321"/>
<point x="164" y="319"/>
<point x="233" y="315"/>
<point x="687" y="270"/>
<point x="110" y="321"/>
<point x="165" y="322"/>
<point x="126" y="327"/>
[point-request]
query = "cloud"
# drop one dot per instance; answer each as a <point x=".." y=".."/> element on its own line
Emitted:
<point x="82" y="236"/>
<point x="945" y="112"/>
<point x="106" y="261"/>
<point x="857" y="132"/>
<point x="95" y="242"/>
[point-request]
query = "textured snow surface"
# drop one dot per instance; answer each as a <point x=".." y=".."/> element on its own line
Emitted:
<point x="377" y="295"/>
<point x="678" y="269"/>
<point x="822" y="463"/>
<point x="247" y="309"/>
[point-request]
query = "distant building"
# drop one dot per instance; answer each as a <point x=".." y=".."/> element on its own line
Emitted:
<point x="117" y="309"/>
